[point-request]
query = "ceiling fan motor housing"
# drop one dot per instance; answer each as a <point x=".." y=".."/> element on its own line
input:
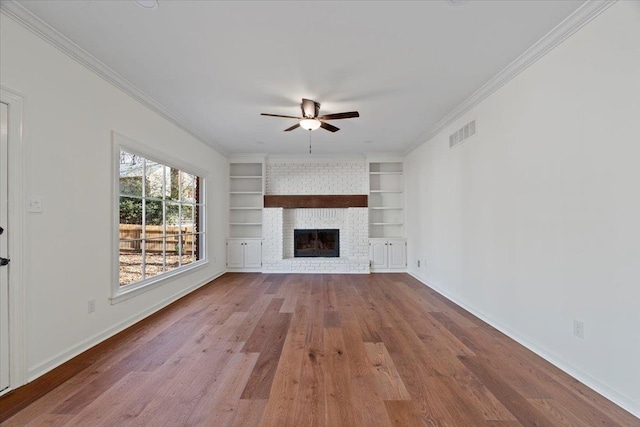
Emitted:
<point x="310" y="108"/>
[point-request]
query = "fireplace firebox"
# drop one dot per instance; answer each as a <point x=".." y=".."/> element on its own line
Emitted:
<point x="316" y="243"/>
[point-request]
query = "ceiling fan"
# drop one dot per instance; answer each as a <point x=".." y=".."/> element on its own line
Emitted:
<point x="310" y="119"/>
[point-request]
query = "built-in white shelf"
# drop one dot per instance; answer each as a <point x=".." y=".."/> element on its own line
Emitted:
<point x="386" y="199"/>
<point x="246" y="199"/>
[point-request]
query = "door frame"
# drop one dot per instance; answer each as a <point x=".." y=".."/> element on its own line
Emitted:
<point x="16" y="217"/>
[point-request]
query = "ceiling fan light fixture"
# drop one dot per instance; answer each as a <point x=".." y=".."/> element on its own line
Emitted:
<point x="310" y="124"/>
<point x="147" y="4"/>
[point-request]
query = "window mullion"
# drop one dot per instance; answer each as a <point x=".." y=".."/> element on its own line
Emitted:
<point x="164" y="218"/>
<point x="179" y="231"/>
<point x="144" y="219"/>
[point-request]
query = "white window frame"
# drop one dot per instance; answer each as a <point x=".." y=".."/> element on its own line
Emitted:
<point x="122" y="293"/>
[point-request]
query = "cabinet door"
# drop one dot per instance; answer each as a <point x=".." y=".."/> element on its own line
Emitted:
<point x="235" y="254"/>
<point x="378" y="253"/>
<point x="253" y="254"/>
<point x="397" y="254"/>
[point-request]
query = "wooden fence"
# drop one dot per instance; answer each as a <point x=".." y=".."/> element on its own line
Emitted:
<point x="130" y="235"/>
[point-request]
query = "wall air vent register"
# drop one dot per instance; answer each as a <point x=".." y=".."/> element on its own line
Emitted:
<point x="462" y="134"/>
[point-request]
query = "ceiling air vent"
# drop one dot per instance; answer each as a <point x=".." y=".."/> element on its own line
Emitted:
<point x="462" y="134"/>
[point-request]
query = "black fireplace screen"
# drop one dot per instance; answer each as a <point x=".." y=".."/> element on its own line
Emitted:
<point x="316" y="243"/>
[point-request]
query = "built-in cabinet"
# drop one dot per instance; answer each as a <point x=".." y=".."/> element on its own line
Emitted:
<point x="246" y="198"/>
<point x="244" y="254"/>
<point x="388" y="254"/>
<point x="387" y="245"/>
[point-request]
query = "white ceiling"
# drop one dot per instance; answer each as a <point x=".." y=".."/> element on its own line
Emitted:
<point x="215" y="66"/>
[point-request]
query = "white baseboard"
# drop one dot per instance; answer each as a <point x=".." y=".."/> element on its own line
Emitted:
<point x="625" y="402"/>
<point x="62" y="357"/>
<point x="314" y="272"/>
<point x="244" y="270"/>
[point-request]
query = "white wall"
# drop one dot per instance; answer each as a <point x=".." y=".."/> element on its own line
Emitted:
<point x="535" y="221"/>
<point x="70" y="113"/>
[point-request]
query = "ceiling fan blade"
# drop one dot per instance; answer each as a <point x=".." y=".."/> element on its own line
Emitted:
<point x="329" y="127"/>
<point x="279" y="115"/>
<point x="297" y="125"/>
<point x="337" y="116"/>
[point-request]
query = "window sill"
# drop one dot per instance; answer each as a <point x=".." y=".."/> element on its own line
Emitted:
<point x="131" y="291"/>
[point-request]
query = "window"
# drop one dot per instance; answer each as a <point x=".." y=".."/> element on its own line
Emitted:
<point x="160" y="212"/>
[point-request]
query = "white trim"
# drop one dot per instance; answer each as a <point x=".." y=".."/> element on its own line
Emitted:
<point x="313" y="272"/>
<point x="64" y="356"/>
<point x="24" y="17"/>
<point x="154" y="282"/>
<point x="120" y="141"/>
<point x="17" y="212"/>
<point x="625" y="402"/>
<point x="245" y="270"/>
<point x="579" y="18"/>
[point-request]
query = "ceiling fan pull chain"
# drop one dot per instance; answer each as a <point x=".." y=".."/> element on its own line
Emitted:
<point x="309" y="142"/>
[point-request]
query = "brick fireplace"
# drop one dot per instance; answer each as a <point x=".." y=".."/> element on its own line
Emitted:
<point x="316" y="178"/>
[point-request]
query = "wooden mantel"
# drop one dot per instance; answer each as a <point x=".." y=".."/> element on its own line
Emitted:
<point x="317" y="201"/>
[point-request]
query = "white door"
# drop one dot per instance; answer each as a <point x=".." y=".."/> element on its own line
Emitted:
<point x="4" y="268"/>
<point x="378" y="253"/>
<point x="397" y="254"/>
<point x="253" y="254"/>
<point x="235" y="253"/>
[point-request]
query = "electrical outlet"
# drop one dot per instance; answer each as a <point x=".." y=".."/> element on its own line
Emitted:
<point x="91" y="306"/>
<point x="578" y="328"/>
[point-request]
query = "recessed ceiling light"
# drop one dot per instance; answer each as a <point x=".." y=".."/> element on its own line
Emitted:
<point x="147" y="4"/>
<point x="259" y="142"/>
<point x="368" y="141"/>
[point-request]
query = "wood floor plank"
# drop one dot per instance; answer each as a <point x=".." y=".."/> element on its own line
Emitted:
<point x="254" y="314"/>
<point x="50" y="420"/>
<point x="310" y="350"/>
<point x="220" y="401"/>
<point x="249" y="412"/>
<point x="280" y="408"/>
<point x="267" y="339"/>
<point x="403" y="413"/>
<point x="388" y="381"/>
<point x="558" y="414"/>
<point x="369" y="409"/>
<point x="511" y="398"/>
<point x="339" y="397"/>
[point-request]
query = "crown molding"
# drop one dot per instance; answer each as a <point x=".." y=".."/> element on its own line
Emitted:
<point x="579" y="18"/>
<point x="43" y="30"/>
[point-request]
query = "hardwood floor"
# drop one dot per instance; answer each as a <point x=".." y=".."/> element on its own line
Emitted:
<point x="310" y="350"/>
